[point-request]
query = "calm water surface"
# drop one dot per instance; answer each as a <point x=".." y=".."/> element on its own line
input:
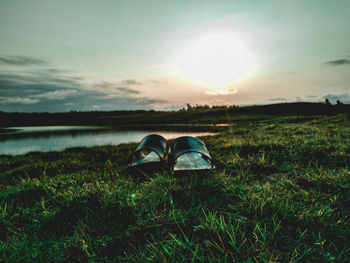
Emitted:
<point x="92" y="136"/>
<point x="27" y="129"/>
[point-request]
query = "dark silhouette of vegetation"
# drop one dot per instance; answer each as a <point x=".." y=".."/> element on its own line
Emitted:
<point x="193" y="114"/>
<point x="339" y="103"/>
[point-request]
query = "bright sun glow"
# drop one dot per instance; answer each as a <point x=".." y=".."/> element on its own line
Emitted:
<point x="216" y="59"/>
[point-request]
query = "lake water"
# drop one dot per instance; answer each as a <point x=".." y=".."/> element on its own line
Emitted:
<point x="55" y="138"/>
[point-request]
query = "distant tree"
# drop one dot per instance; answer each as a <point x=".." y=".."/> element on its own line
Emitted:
<point x="339" y="103"/>
<point x="189" y="107"/>
<point x="199" y="107"/>
<point x="219" y="107"/>
<point x="327" y="102"/>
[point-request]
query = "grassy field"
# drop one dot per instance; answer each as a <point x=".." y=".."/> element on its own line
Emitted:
<point x="280" y="193"/>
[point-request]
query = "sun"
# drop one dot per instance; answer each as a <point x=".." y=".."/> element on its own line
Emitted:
<point x="215" y="59"/>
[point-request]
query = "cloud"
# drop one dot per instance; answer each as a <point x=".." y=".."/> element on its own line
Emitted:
<point x="56" y="94"/>
<point x="131" y="82"/>
<point x="55" y="90"/>
<point x="338" y="62"/>
<point x="127" y="90"/>
<point x="158" y="82"/>
<point x="38" y="76"/>
<point x="149" y="101"/>
<point x="114" y="89"/>
<point x="102" y="101"/>
<point x="45" y="88"/>
<point x="221" y="91"/>
<point x="17" y="100"/>
<point x="34" y="83"/>
<point x="38" y="89"/>
<point x="21" y="61"/>
<point x="341" y="97"/>
<point x="278" y="99"/>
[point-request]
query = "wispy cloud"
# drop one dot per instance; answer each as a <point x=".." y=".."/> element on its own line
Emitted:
<point x="278" y="99"/>
<point x="338" y="62"/>
<point x="56" y="94"/>
<point x="37" y="89"/>
<point x="158" y="82"/>
<point x="21" y="61"/>
<point x="221" y="91"/>
<point x="114" y="88"/>
<point x="34" y="83"/>
<point x="341" y="97"/>
<point x="127" y="90"/>
<point x="17" y="100"/>
<point x="131" y="82"/>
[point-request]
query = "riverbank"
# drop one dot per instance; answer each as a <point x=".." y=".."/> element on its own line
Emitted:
<point x="280" y="192"/>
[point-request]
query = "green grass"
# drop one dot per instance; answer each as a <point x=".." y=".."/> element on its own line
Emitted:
<point x="280" y="193"/>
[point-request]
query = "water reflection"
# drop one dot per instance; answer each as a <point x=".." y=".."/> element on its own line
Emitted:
<point x="57" y="141"/>
<point x="27" y="129"/>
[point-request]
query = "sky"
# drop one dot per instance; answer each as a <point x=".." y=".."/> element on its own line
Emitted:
<point x="81" y="55"/>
